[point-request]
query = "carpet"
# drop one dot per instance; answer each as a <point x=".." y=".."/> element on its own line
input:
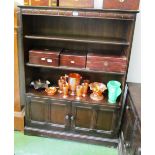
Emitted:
<point x="32" y="145"/>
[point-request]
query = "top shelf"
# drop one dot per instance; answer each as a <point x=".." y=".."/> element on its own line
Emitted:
<point x="70" y="8"/>
<point x="98" y="40"/>
<point x="77" y="12"/>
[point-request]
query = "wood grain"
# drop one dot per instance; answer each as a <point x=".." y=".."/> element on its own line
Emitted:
<point x="121" y="4"/>
<point x="77" y="3"/>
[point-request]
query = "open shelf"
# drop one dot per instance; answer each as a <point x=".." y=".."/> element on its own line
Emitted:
<point x="83" y="100"/>
<point x="96" y="40"/>
<point x="73" y="69"/>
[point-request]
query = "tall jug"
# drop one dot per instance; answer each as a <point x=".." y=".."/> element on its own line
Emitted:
<point x="114" y="91"/>
<point x="73" y="81"/>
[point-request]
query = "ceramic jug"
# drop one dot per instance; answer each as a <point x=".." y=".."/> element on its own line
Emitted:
<point x="114" y="91"/>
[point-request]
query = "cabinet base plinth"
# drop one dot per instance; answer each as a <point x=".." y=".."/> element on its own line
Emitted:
<point x="71" y="136"/>
<point x="19" y="120"/>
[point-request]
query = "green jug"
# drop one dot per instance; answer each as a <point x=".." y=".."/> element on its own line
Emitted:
<point x="114" y="91"/>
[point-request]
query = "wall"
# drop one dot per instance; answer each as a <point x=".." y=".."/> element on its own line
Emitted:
<point x="134" y="73"/>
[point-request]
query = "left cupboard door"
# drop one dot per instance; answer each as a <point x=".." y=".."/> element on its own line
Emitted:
<point x="48" y="114"/>
<point x="36" y="111"/>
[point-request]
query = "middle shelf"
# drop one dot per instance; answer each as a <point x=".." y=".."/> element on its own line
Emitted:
<point x="74" y="69"/>
<point x="83" y="39"/>
<point x="84" y="100"/>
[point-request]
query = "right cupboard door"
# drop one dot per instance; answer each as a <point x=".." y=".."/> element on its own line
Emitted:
<point x="94" y="119"/>
<point x="82" y="117"/>
<point x="106" y="120"/>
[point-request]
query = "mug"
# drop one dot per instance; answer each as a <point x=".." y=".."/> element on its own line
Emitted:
<point x="114" y="91"/>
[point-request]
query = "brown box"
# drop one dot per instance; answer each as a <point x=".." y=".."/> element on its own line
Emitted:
<point x="121" y="4"/>
<point x="44" y="57"/>
<point x="26" y="2"/>
<point x="100" y="62"/>
<point x="40" y="2"/>
<point x="77" y="3"/>
<point x="71" y="58"/>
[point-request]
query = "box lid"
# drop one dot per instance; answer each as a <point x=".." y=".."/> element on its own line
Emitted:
<point x="55" y="52"/>
<point x="73" y="53"/>
<point x="98" y="56"/>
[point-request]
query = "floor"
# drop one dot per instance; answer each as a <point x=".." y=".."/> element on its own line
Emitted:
<point x="31" y="145"/>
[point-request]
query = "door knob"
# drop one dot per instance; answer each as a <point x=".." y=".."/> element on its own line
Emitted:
<point x="127" y="144"/>
<point x="128" y="107"/>
<point x="72" y="118"/>
<point x="67" y="117"/>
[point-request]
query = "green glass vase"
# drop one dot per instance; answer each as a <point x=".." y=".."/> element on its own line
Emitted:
<point x="114" y="91"/>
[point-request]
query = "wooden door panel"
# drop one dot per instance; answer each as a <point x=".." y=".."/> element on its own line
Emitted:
<point x="129" y="121"/>
<point x="104" y="120"/>
<point x="128" y="126"/>
<point x="59" y="113"/>
<point x="38" y="110"/>
<point x="82" y="117"/>
<point x="136" y="146"/>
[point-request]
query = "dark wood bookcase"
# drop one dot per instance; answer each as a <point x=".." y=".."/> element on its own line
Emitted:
<point x="104" y="30"/>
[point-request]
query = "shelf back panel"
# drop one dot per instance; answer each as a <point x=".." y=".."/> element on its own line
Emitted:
<point x="81" y="27"/>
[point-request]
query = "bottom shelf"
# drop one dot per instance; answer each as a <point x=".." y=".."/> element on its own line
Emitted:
<point x="72" y="136"/>
<point x="84" y="100"/>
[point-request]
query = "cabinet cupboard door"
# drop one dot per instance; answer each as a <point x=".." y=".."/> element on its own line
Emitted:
<point x="136" y="148"/>
<point x="106" y="120"/>
<point x="36" y="110"/>
<point x="60" y="114"/>
<point x="82" y="117"/>
<point x="128" y="126"/>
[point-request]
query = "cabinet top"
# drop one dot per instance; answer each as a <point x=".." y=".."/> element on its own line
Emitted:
<point x="78" y="9"/>
<point x="135" y="94"/>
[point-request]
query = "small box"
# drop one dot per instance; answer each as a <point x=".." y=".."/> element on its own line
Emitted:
<point x="100" y="62"/>
<point x="40" y="2"/>
<point x="71" y="58"/>
<point x="77" y="3"/>
<point x="44" y="57"/>
<point x="121" y="4"/>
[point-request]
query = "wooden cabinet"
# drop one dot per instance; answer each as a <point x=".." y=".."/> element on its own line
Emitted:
<point x="70" y="116"/>
<point x="131" y="124"/>
<point x="109" y="32"/>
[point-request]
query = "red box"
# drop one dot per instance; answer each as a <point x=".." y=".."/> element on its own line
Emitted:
<point x="40" y="2"/>
<point x="121" y="4"/>
<point x="71" y="58"/>
<point x="77" y="3"/>
<point x="100" y="62"/>
<point x="44" y="57"/>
